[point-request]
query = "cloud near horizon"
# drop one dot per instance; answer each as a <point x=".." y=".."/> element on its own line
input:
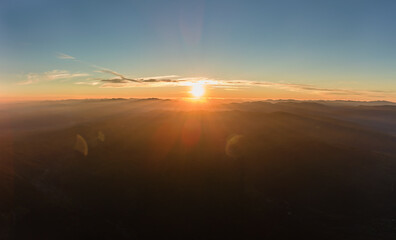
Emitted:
<point x="121" y="81"/>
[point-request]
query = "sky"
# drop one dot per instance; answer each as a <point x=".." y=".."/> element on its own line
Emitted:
<point x="284" y="49"/>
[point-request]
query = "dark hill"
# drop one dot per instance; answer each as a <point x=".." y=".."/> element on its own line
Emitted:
<point x="148" y="169"/>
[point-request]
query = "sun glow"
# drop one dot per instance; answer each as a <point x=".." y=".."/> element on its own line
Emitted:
<point x="197" y="90"/>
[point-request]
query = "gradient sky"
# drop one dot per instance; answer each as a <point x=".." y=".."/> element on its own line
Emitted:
<point x="236" y="48"/>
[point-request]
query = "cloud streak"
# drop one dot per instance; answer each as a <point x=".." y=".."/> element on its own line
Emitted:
<point x="90" y="83"/>
<point x="305" y="88"/>
<point x="121" y="81"/>
<point x="50" y="76"/>
<point x="65" y="56"/>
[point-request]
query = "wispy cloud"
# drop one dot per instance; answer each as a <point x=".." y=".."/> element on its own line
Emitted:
<point x="302" y="88"/>
<point x="91" y="83"/>
<point x="158" y="81"/>
<point x="64" y="56"/>
<point x="311" y="89"/>
<point x="120" y="80"/>
<point x="50" y="76"/>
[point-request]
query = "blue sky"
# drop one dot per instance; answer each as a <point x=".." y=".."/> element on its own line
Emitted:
<point x="328" y="45"/>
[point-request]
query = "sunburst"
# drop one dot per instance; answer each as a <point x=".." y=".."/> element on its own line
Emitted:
<point x="197" y="90"/>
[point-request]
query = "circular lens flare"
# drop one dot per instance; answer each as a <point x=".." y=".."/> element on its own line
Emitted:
<point x="197" y="90"/>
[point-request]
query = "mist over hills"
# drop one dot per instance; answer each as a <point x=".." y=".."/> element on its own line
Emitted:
<point x="153" y="168"/>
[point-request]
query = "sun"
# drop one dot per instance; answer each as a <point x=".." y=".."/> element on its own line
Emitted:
<point x="197" y="90"/>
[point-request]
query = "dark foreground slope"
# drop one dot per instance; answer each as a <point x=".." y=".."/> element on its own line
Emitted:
<point x="149" y="169"/>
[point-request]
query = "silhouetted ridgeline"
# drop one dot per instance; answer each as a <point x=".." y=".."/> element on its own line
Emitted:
<point x="150" y="169"/>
